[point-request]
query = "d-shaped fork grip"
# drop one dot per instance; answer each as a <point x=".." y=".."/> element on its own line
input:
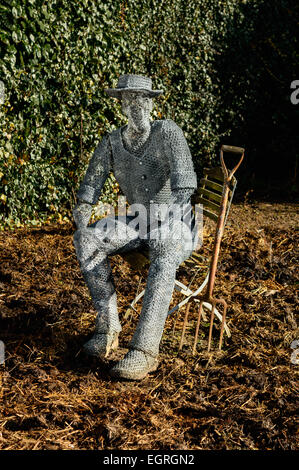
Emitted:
<point x="230" y="149"/>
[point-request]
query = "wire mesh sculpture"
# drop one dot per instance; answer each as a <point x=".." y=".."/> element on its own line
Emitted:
<point x="152" y="163"/>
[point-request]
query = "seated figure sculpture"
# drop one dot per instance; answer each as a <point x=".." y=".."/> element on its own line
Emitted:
<point x="152" y="163"/>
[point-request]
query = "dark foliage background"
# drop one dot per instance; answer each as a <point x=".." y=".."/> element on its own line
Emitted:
<point x="226" y="68"/>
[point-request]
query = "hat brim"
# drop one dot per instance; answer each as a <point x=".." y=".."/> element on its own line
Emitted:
<point x="116" y="92"/>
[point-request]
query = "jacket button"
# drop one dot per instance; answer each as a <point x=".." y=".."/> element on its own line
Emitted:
<point x="146" y="189"/>
<point x="143" y="177"/>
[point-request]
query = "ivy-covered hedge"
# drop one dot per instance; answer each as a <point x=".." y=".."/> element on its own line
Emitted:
<point x="216" y="60"/>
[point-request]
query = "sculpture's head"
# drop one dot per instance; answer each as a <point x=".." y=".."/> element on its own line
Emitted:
<point x="135" y="93"/>
<point x="137" y="106"/>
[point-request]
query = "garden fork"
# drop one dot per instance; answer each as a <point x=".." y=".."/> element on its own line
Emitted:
<point x="208" y="295"/>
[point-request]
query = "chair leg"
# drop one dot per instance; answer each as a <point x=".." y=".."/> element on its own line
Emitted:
<point x="211" y="326"/>
<point x="137" y="298"/>
<point x="222" y="324"/>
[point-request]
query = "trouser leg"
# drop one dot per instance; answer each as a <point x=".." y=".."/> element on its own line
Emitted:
<point x="159" y="289"/>
<point x="142" y="356"/>
<point x="101" y="287"/>
<point x="96" y="271"/>
<point x="144" y="348"/>
<point x="93" y="247"/>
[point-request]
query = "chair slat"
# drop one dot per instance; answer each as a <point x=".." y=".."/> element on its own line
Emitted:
<point x="214" y="173"/>
<point x="217" y="175"/>
<point x="211" y="215"/>
<point x="198" y="256"/>
<point x="210" y="195"/>
<point x="136" y="259"/>
<point x="211" y="205"/>
<point x="204" y="182"/>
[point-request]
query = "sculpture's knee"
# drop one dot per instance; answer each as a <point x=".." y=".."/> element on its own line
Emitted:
<point x="86" y="245"/>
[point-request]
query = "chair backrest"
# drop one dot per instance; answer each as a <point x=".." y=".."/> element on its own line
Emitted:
<point x="209" y="192"/>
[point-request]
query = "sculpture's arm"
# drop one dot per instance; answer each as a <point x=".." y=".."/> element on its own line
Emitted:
<point x="93" y="182"/>
<point x="182" y="177"/>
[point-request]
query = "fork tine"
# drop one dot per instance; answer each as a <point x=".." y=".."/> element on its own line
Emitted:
<point x="211" y="325"/>
<point x="222" y="323"/>
<point x="197" y="327"/>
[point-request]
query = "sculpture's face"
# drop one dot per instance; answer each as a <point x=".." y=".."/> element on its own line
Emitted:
<point x="137" y="107"/>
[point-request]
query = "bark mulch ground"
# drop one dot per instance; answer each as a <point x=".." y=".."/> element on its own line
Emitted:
<point x="245" y="397"/>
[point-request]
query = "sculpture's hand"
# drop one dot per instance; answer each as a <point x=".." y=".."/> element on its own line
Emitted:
<point x="81" y="214"/>
<point x="163" y="214"/>
<point x="180" y="197"/>
<point x="167" y="216"/>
